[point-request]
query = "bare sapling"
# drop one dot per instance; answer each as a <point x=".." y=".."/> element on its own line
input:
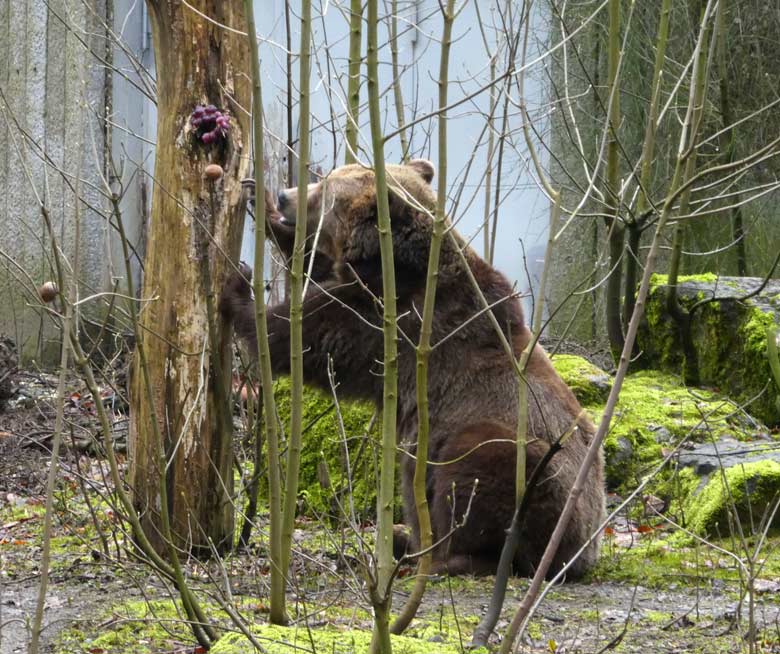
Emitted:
<point x="423" y="349"/>
<point x="278" y="612"/>
<point x="380" y="577"/>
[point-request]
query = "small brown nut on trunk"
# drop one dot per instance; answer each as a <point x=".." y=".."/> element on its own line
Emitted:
<point x="47" y="291"/>
<point x="213" y="172"/>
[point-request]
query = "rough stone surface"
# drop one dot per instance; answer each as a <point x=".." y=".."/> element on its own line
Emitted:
<point x="705" y="458"/>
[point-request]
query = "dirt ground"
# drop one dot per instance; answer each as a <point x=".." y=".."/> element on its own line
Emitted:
<point x="641" y="599"/>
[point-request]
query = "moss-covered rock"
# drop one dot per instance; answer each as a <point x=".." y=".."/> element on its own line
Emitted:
<point x="589" y="383"/>
<point x="282" y="640"/>
<point x="750" y="488"/>
<point x="335" y="443"/>
<point x="729" y="336"/>
<point x="655" y="410"/>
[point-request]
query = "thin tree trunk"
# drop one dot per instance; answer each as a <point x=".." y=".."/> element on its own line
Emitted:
<point x="197" y="63"/>
<point x="486" y="249"/>
<point x="645" y="178"/>
<point x="424" y="346"/>
<point x="296" y="297"/>
<point x="616" y="229"/>
<point x="728" y="146"/>
<point x="398" y="96"/>
<point x="380" y="584"/>
<point x="278" y="612"/>
<point x="353" y="84"/>
<point x="678" y="312"/>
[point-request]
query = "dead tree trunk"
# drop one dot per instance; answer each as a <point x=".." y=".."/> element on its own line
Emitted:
<point x="177" y="377"/>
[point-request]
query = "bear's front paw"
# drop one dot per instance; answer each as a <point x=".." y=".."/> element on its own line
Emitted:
<point x="236" y="291"/>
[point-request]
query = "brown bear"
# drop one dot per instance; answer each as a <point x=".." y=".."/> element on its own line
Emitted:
<point x="472" y="386"/>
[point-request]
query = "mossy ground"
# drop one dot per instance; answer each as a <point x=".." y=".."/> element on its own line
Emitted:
<point x="282" y="640"/>
<point x="663" y="557"/>
<point x="137" y="626"/>
<point x="115" y="605"/>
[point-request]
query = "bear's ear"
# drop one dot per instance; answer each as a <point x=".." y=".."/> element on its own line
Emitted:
<point x="424" y="168"/>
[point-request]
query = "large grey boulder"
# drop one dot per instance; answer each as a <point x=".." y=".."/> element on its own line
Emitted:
<point x="730" y="318"/>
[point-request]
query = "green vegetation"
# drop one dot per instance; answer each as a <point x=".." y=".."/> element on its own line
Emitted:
<point x="135" y="627"/>
<point x="282" y="640"/>
<point x="589" y="383"/>
<point x="659" y="558"/>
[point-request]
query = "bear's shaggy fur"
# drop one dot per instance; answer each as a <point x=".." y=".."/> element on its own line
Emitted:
<point x="473" y="389"/>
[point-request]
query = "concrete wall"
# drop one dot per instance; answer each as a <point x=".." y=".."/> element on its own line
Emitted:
<point x="52" y="126"/>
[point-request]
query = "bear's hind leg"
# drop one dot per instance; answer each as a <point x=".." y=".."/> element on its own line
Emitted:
<point x="473" y="482"/>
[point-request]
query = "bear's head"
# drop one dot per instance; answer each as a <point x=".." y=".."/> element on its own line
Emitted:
<point x="342" y="216"/>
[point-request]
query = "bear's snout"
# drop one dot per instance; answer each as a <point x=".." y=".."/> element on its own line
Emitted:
<point x="284" y="205"/>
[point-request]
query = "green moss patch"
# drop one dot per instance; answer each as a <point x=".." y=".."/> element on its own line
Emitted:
<point x="135" y="627"/>
<point x="590" y="384"/>
<point x="282" y="640"/>
<point x="655" y="410"/>
<point x="338" y="458"/>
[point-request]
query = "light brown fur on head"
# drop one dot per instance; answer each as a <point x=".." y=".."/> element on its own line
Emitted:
<point x="346" y="197"/>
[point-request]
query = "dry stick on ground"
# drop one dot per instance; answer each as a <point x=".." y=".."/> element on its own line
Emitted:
<point x="380" y="580"/>
<point x="687" y="137"/>
<point x="424" y="347"/>
<point x="278" y="613"/>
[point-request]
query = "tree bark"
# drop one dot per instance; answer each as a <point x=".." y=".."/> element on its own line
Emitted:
<point x="174" y="387"/>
